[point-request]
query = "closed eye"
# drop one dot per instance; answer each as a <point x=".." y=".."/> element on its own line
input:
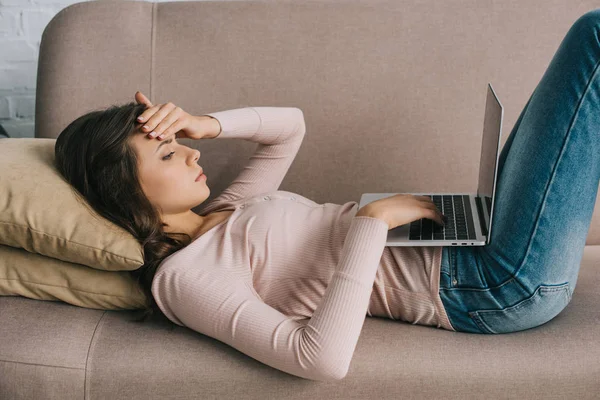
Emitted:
<point x="168" y="155"/>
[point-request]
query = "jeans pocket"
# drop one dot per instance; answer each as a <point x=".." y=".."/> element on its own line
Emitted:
<point x="543" y="305"/>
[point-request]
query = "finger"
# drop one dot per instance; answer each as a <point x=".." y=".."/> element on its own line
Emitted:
<point x="144" y="116"/>
<point x="439" y="214"/>
<point x="167" y="121"/>
<point x="171" y="128"/>
<point x="428" y="200"/>
<point x="424" y="198"/>
<point x="437" y="217"/>
<point x="142" y="99"/>
<point x="158" y="116"/>
<point x="431" y="206"/>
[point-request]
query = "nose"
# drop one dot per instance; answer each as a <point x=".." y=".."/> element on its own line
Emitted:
<point x="196" y="155"/>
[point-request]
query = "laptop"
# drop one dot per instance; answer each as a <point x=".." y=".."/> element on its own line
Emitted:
<point x="469" y="214"/>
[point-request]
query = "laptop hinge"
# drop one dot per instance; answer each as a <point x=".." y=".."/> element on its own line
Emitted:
<point x="482" y="216"/>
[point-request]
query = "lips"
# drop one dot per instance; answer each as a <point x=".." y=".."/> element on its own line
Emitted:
<point x="201" y="172"/>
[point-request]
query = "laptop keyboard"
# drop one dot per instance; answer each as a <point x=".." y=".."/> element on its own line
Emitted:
<point x="460" y="220"/>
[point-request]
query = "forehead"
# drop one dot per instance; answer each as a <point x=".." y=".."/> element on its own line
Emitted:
<point x="144" y="145"/>
<point x="147" y="146"/>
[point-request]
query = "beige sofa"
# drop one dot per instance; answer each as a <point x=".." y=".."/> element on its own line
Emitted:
<point x="393" y="97"/>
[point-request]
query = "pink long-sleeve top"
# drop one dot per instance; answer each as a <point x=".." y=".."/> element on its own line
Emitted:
<point x="288" y="281"/>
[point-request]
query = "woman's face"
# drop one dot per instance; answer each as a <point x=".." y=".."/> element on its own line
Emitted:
<point x="167" y="173"/>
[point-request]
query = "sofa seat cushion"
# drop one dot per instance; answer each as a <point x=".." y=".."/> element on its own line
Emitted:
<point x="73" y="350"/>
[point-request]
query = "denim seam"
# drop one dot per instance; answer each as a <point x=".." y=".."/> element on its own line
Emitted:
<point x="452" y="268"/>
<point x="562" y="152"/>
<point x="488" y="289"/>
<point x="543" y="288"/>
<point x="480" y="324"/>
<point x="479" y="269"/>
<point x="454" y="272"/>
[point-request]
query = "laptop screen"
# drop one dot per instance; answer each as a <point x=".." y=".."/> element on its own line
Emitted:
<point x="488" y="164"/>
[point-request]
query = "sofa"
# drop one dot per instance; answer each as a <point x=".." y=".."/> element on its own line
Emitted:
<point x="393" y="94"/>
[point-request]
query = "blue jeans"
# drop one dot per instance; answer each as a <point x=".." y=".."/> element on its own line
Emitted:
<point x="548" y="175"/>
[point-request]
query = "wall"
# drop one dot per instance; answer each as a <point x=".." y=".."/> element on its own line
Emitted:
<point x="21" y="25"/>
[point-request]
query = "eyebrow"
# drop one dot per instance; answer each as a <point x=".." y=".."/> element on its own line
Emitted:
<point x="163" y="143"/>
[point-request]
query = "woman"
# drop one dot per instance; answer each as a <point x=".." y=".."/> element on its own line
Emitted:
<point x="524" y="278"/>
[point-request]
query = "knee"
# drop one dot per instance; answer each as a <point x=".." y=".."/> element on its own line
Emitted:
<point x="588" y="23"/>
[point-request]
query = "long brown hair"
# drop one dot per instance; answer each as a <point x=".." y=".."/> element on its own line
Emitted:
<point x="95" y="156"/>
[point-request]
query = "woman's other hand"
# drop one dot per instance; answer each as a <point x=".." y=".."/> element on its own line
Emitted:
<point x="401" y="209"/>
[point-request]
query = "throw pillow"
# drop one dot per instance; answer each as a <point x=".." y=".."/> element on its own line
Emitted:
<point x="43" y="278"/>
<point x="41" y="213"/>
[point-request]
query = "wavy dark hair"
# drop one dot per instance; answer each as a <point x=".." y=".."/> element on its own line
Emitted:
<point x="94" y="154"/>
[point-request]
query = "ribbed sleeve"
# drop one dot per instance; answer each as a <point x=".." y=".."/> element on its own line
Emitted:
<point x="335" y="326"/>
<point x="209" y="300"/>
<point x="266" y="125"/>
<point x="279" y="132"/>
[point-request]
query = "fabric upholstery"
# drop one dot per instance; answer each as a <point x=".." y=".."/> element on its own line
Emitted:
<point x="52" y="350"/>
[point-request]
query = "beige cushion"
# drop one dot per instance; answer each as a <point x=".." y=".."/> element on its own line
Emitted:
<point x="43" y="278"/>
<point x="41" y="213"/>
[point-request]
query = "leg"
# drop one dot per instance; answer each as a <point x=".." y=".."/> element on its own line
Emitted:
<point x="548" y="176"/>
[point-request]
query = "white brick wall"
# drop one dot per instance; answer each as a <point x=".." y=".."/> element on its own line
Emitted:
<point x="21" y="25"/>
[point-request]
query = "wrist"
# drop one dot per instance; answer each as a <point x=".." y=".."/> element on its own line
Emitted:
<point x="210" y="126"/>
<point x="367" y="211"/>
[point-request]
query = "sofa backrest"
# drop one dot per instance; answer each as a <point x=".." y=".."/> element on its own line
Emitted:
<point x="393" y="92"/>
